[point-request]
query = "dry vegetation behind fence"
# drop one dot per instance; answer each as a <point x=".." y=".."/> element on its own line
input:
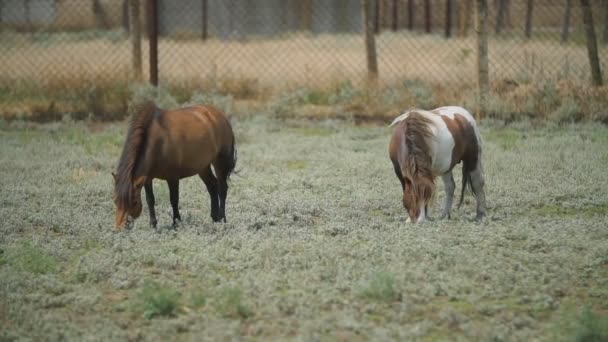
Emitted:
<point x="48" y="73"/>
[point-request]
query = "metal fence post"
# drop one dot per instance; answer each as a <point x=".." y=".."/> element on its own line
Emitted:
<point x="483" y="78"/>
<point x="153" y="40"/>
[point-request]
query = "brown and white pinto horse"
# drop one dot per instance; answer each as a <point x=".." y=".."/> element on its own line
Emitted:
<point x="426" y="144"/>
<point x="171" y="145"/>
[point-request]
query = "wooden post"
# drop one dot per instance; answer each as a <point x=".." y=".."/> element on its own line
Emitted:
<point x="204" y="16"/>
<point x="376" y="15"/>
<point x="305" y="15"/>
<point x="566" y="22"/>
<point x="448" y="18"/>
<point x="464" y="18"/>
<point x="427" y="16"/>
<point x="483" y="78"/>
<point x="410" y="15"/>
<point x="529" y="9"/>
<point x="596" y="74"/>
<point x="395" y="15"/>
<point x="153" y="40"/>
<point x="370" y="44"/>
<point x="135" y="29"/>
<point x="500" y="16"/>
<point x="605" y="33"/>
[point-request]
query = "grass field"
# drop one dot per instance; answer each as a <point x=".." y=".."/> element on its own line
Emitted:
<point x="315" y="247"/>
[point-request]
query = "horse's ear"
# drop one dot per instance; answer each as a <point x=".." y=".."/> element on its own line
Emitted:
<point x="114" y="176"/>
<point x="139" y="181"/>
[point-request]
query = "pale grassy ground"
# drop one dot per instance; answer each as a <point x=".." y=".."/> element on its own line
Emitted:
<point x="316" y="61"/>
<point x="315" y="241"/>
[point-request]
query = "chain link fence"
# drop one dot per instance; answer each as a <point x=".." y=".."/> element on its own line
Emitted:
<point x="78" y="55"/>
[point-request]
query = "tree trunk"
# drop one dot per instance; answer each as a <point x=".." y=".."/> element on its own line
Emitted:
<point x="566" y="22"/>
<point x="448" y="18"/>
<point x="464" y="17"/>
<point x="529" y="8"/>
<point x="428" y="26"/>
<point x="483" y="78"/>
<point x="596" y="74"/>
<point x="135" y="30"/>
<point x="370" y="44"/>
<point x="100" y="15"/>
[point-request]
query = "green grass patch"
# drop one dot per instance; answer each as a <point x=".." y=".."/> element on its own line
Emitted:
<point x="158" y="300"/>
<point x="198" y="298"/>
<point x="313" y="131"/>
<point x="230" y="304"/>
<point x="297" y="164"/>
<point x="507" y="139"/>
<point x="381" y="287"/>
<point x="29" y="258"/>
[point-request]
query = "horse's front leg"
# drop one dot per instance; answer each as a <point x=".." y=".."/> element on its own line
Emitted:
<point x="150" y="201"/>
<point x="450" y="186"/>
<point x="174" y="198"/>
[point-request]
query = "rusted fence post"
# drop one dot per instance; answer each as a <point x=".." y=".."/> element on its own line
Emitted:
<point x="153" y="40"/>
<point x="135" y="31"/>
<point x="370" y="43"/>
<point x="483" y="78"/>
<point x="596" y="74"/>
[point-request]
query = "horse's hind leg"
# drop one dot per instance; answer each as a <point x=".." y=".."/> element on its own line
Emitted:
<point x="221" y="172"/>
<point x="150" y="201"/>
<point x="211" y="184"/>
<point x="450" y="186"/>
<point x="174" y="198"/>
<point x="477" y="183"/>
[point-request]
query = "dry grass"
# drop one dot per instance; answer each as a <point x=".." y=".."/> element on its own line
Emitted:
<point x="75" y="73"/>
<point x="315" y="247"/>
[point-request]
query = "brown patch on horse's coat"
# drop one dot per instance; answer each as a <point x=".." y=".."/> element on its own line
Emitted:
<point x="410" y="153"/>
<point x="466" y="146"/>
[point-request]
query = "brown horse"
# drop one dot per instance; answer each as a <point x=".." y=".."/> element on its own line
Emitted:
<point x="171" y="145"/>
<point x="426" y="144"/>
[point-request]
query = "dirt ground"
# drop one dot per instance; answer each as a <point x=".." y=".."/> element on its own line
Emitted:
<point x="315" y="248"/>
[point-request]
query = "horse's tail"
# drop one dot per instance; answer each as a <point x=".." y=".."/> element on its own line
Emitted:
<point x="233" y="157"/>
<point x="466" y="180"/>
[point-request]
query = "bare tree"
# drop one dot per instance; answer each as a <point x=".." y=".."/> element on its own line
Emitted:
<point x="596" y="73"/>
<point x="370" y="43"/>
<point x="566" y="22"/>
<point x="529" y="8"/>
<point x="483" y="77"/>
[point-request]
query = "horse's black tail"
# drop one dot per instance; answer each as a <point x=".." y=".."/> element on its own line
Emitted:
<point x="466" y="180"/>
<point x="232" y="155"/>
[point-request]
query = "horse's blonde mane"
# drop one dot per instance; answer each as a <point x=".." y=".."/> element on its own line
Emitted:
<point x="417" y="163"/>
<point x="136" y="137"/>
